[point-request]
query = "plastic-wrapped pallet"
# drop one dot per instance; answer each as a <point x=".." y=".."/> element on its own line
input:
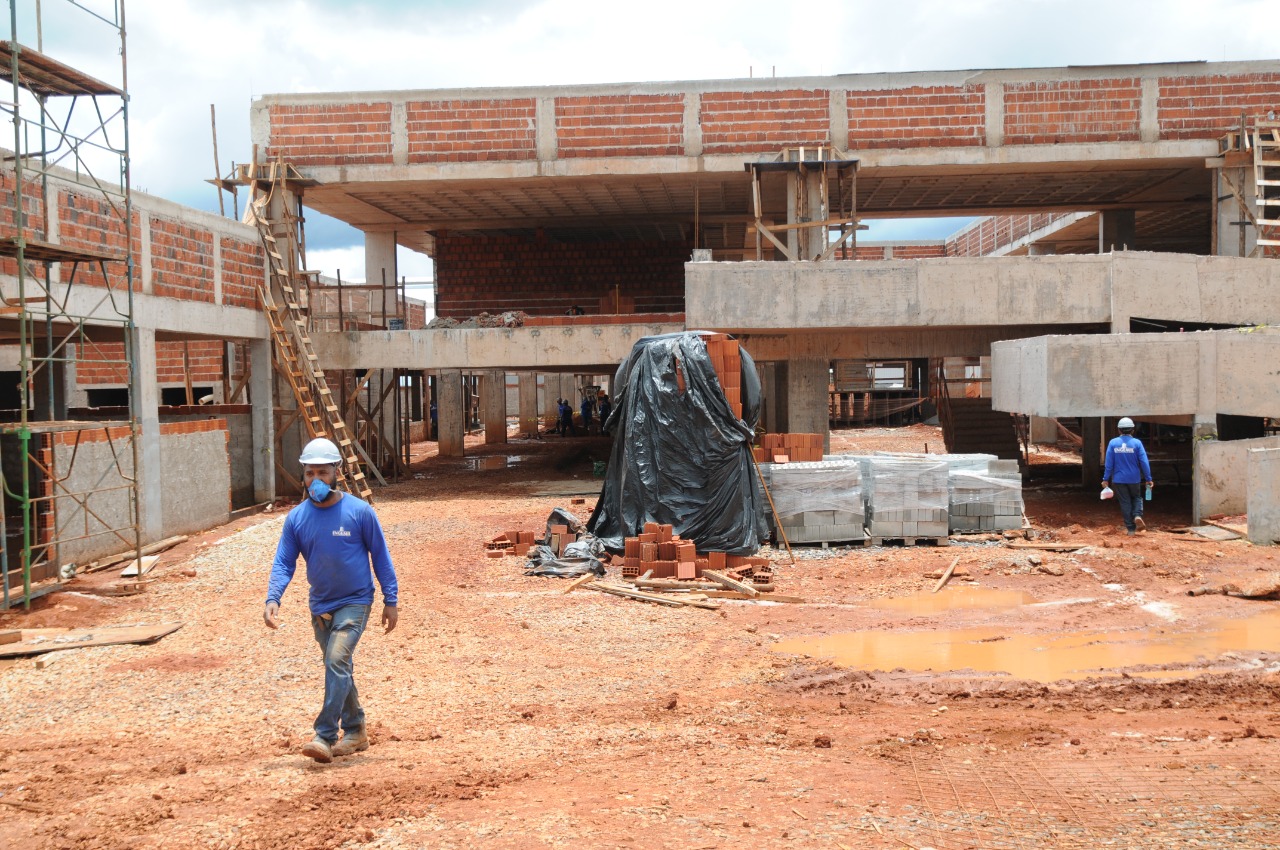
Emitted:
<point x="990" y="500"/>
<point x="906" y="497"/>
<point x="818" y="501"/>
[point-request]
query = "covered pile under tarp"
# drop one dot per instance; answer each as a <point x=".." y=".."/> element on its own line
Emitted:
<point x="680" y="456"/>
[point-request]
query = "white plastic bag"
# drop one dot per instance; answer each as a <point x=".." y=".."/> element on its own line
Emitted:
<point x="1107" y="493"/>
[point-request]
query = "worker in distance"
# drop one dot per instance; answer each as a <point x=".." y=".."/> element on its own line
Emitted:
<point x="1127" y="469"/>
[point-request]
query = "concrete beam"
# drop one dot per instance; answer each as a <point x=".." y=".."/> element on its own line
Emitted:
<point x="573" y="347"/>
<point x="1202" y="374"/>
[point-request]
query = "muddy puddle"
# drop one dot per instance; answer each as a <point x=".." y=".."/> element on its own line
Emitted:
<point x="1048" y="657"/>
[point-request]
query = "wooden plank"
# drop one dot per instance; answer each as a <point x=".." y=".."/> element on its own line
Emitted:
<point x="1047" y="547"/>
<point x="767" y="597"/>
<point x="10" y="636"/>
<point x="632" y="593"/>
<point x="148" y="564"/>
<point x="730" y="584"/>
<point x="946" y="576"/>
<point x="579" y="582"/>
<point x="40" y="641"/>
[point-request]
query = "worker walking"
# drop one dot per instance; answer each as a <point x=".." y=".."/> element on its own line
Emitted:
<point x="339" y="537"/>
<point x="606" y="407"/>
<point x="1127" y="469"/>
<point x="586" y="415"/>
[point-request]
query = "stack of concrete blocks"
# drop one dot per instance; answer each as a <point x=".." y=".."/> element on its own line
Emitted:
<point x="818" y="501"/>
<point x="906" y="497"/>
<point x="987" y="500"/>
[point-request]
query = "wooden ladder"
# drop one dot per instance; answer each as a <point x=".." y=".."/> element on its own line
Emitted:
<point x="1266" y="179"/>
<point x="294" y="350"/>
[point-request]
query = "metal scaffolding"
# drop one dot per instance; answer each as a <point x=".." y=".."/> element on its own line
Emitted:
<point x="69" y="486"/>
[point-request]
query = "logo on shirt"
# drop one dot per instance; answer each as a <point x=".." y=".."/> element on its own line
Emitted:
<point x="1122" y="449"/>
<point x="341" y="532"/>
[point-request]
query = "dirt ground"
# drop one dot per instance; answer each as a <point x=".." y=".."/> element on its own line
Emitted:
<point x="507" y="714"/>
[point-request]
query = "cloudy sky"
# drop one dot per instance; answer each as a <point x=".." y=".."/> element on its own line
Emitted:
<point x="184" y="55"/>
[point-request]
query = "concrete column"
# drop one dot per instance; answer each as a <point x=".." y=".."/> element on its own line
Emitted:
<point x="1044" y="430"/>
<point x="1264" y="496"/>
<point x="493" y="389"/>
<point x="769" y="414"/>
<point x="529" y="422"/>
<point x="450" y="412"/>
<point x="145" y="403"/>
<point x="1204" y="428"/>
<point x="1091" y="449"/>
<point x="807" y="381"/>
<point x="48" y="385"/>
<point x="804" y="203"/>
<point x="263" y="421"/>
<point x="1234" y="238"/>
<point x="379" y="257"/>
<point x="1117" y="230"/>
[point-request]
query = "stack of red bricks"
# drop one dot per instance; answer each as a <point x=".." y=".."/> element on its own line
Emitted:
<point x="659" y="551"/>
<point x="515" y="543"/>
<point x="783" y="448"/>
<point x="727" y="362"/>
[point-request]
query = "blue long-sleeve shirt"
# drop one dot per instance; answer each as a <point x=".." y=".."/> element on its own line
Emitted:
<point x="1126" y="461"/>
<point x="338" y="543"/>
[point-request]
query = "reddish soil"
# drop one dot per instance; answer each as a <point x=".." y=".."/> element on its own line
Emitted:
<point x="505" y="713"/>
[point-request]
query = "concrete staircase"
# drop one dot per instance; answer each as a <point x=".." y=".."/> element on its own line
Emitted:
<point x="970" y="425"/>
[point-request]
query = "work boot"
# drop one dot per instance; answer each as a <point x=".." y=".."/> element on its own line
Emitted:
<point x="319" y="749"/>
<point x="1130" y="532"/>
<point x="1142" y="526"/>
<point x="352" y="742"/>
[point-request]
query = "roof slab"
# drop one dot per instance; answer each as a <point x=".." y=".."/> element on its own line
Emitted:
<point x="650" y="160"/>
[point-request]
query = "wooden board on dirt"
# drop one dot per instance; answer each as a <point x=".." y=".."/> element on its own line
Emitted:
<point x="1047" y="547"/>
<point x="148" y="563"/>
<point x="763" y="597"/>
<point x="39" y="641"/>
<point x="1213" y="531"/>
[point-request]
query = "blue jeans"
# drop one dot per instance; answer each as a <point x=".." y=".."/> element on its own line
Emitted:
<point x="338" y="636"/>
<point x="1130" y="498"/>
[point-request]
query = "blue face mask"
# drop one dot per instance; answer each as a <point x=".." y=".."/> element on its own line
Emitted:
<point x="318" y="491"/>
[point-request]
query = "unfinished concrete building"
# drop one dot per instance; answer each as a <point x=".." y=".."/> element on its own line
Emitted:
<point x="1115" y="200"/>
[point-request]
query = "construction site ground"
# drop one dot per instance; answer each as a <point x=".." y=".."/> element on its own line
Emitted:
<point x="505" y="713"/>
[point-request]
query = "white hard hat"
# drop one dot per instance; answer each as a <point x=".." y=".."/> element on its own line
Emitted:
<point x="1126" y="422"/>
<point x="320" y="450"/>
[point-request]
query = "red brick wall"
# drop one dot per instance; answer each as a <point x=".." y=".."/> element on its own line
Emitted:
<point x="88" y="221"/>
<point x="332" y="133"/>
<point x="620" y="125"/>
<point x="917" y="116"/>
<point x="242" y="271"/>
<point x="103" y="364"/>
<point x="181" y="260"/>
<point x="33" y="206"/>
<point x="476" y="274"/>
<point x="756" y="122"/>
<point x="988" y="234"/>
<point x="470" y="130"/>
<point x="1072" y="111"/>
<point x="1207" y="107"/>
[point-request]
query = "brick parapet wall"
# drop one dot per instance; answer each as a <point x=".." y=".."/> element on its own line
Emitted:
<point x="477" y="274"/>
<point x="181" y="260"/>
<point x="748" y="117"/>
<point x="620" y="125"/>
<point x="988" y="235"/>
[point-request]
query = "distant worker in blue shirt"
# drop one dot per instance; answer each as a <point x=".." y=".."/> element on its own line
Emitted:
<point x="1126" y="471"/>
<point x="339" y="537"/>
<point x="606" y="407"/>
<point x="585" y="409"/>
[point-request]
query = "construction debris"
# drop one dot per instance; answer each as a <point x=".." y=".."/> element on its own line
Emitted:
<point x="1263" y="586"/>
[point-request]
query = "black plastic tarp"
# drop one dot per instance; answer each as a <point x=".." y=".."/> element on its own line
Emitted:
<point x="680" y="455"/>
